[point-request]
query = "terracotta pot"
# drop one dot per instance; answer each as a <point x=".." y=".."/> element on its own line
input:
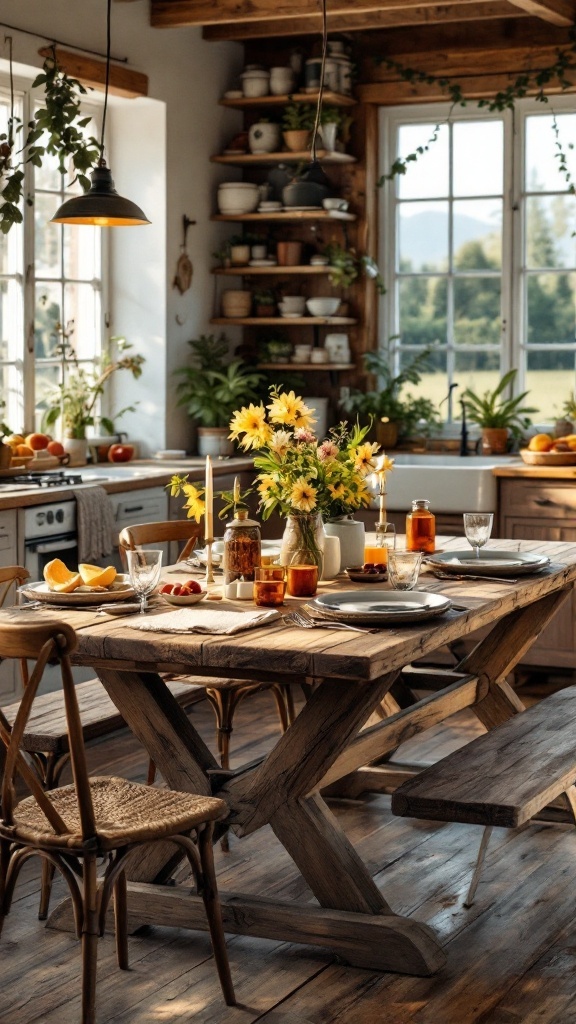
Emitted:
<point x="296" y="141"/>
<point x="289" y="254"/>
<point x="386" y="434"/>
<point x="494" y="440"/>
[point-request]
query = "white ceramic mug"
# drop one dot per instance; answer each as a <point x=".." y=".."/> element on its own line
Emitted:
<point x="331" y="562"/>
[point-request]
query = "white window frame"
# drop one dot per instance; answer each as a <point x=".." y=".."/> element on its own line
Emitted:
<point x="513" y="349"/>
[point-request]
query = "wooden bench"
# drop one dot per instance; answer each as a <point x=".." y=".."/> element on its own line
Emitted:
<point x="503" y="778"/>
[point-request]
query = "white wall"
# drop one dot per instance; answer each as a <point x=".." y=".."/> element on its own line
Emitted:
<point x="168" y="144"/>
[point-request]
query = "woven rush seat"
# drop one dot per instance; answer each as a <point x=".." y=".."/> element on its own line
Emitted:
<point x="125" y="812"/>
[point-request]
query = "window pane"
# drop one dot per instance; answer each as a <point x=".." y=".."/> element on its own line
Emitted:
<point x="477" y="370"/>
<point x="82" y="305"/>
<point x="542" y="163"/>
<point x="11" y="251"/>
<point x="47" y="378"/>
<point x="478" y="158"/>
<point x="477" y="315"/>
<point x="82" y="252"/>
<point x="550" y="227"/>
<point x="423" y="236"/>
<point x="48" y="176"/>
<point x="433" y="382"/>
<point x="477" y="234"/>
<point x="423" y="310"/>
<point x="48" y="313"/>
<point x="428" y="175"/>
<point x="550" y="378"/>
<point x="551" y="313"/>
<point x="11" y="320"/>
<point x="48" y="237"/>
<point x="11" y="391"/>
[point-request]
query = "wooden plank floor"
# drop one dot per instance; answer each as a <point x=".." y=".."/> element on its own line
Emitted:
<point x="511" y="957"/>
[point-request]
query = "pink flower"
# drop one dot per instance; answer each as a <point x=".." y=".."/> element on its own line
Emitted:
<point x="302" y="434"/>
<point x="327" y="450"/>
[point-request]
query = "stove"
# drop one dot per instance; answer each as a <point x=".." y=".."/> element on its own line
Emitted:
<point x="32" y="481"/>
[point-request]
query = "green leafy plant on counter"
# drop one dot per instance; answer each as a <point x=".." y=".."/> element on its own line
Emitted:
<point x="211" y="388"/>
<point x="75" y="400"/>
<point x="492" y="410"/>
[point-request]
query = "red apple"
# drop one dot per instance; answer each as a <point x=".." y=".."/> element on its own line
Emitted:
<point x="120" y="452"/>
<point x="167" y="588"/>
<point x="193" y="586"/>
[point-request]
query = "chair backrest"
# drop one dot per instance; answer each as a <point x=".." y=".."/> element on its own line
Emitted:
<point x="42" y="642"/>
<point x="9" y="575"/>
<point x="133" y="537"/>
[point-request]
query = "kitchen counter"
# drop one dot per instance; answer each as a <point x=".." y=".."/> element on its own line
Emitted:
<point x="521" y="471"/>
<point x="117" y="477"/>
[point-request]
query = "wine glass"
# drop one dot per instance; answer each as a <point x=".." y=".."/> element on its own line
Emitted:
<point x="478" y="527"/>
<point x="144" y="568"/>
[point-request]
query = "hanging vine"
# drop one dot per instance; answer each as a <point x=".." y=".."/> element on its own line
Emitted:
<point x="527" y="82"/>
<point x="56" y="129"/>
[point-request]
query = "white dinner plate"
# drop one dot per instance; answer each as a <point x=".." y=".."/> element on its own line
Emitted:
<point x="380" y="607"/>
<point x="120" y="589"/>
<point x="492" y="562"/>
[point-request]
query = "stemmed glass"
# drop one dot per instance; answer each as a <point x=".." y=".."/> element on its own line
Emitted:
<point x="144" y="568"/>
<point x="478" y="527"/>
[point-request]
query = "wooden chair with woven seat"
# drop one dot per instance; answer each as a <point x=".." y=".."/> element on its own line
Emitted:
<point x="72" y="826"/>
<point x="46" y="736"/>
<point x="224" y="695"/>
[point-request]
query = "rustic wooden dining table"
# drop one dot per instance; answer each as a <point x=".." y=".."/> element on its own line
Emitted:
<point x="360" y="710"/>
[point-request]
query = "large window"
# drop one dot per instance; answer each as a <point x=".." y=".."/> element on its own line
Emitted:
<point x="478" y="249"/>
<point x="50" y="278"/>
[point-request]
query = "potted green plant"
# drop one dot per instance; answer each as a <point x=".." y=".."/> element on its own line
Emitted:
<point x="346" y="265"/>
<point x="395" y="415"/>
<point x="297" y="123"/>
<point x="211" y="388"/>
<point x="330" y="122"/>
<point x="264" y="302"/>
<point x="497" y="416"/>
<point x="75" y="401"/>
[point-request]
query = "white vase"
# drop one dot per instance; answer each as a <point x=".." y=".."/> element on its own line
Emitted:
<point x="77" y="448"/>
<point x="331" y="565"/>
<point x="351" y="535"/>
<point x="264" y="137"/>
<point x="214" y="441"/>
<point x="329" y="132"/>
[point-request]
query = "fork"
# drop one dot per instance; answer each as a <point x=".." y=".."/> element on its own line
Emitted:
<point x="305" y="621"/>
<point x="468" y="576"/>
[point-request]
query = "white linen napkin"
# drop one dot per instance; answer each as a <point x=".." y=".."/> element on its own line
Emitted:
<point x="205" y="620"/>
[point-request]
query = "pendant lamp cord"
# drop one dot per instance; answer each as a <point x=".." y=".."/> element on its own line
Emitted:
<point x="321" y="91"/>
<point x="102" y="162"/>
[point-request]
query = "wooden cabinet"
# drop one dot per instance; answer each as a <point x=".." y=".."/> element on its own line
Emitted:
<point x="543" y="510"/>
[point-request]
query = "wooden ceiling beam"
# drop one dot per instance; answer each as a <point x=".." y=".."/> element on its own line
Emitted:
<point x="411" y="45"/>
<point x="557" y="12"/>
<point x="179" y="13"/>
<point x="92" y="72"/>
<point x="368" y="20"/>
<point x="474" y="87"/>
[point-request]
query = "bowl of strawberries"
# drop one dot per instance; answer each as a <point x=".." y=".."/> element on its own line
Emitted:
<point x="189" y="592"/>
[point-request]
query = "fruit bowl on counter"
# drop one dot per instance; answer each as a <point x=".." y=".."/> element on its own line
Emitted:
<point x="545" y="450"/>
<point x="186" y="593"/>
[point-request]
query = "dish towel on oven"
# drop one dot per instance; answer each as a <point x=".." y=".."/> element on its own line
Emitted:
<point x="95" y="522"/>
<point x="204" y="620"/>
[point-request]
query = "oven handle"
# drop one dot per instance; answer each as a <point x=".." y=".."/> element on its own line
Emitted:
<point x="55" y="545"/>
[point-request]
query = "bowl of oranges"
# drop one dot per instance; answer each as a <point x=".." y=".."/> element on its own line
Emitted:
<point x="545" y="450"/>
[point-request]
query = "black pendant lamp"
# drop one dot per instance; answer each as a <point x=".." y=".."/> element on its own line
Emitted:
<point x="101" y="205"/>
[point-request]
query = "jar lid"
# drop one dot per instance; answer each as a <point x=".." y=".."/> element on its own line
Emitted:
<point x="241" y="519"/>
<point x="420" y="503"/>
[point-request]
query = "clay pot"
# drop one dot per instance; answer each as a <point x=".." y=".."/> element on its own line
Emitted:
<point x="494" y="440"/>
<point x="236" y="303"/>
<point x="297" y="140"/>
<point x="386" y="434"/>
<point x="289" y="254"/>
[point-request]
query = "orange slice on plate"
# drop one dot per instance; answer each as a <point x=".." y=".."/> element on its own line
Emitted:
<point x="60" y="578"/>
<point x="96" y="576"/>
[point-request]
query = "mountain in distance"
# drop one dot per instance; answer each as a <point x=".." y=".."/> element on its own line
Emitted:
<point x="424" y="236"/>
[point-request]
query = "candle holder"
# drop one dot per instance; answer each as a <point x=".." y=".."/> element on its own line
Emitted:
<point x="209" y="577"/>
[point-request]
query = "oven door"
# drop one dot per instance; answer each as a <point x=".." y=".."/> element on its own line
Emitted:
<point x="37" y="553"/>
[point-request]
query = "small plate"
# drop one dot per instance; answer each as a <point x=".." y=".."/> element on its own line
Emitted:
<point x="300" y="209"/>
<point x="357" y="576"/>
<point x="178" y="599"/>
<point x="292" y="316"/>
<point x="380" y="607"/>
<point x="262" y="263"/>
<point x="492" y="562"/>
<point x="120" y="589"/>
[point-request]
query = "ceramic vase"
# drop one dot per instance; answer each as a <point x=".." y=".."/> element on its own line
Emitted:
<point x="77" y="448"/>
<point x="351" y="535"/>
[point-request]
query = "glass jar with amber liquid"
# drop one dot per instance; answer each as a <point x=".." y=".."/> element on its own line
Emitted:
<point x="241" y="547"/>
<point x="421" y="527"/>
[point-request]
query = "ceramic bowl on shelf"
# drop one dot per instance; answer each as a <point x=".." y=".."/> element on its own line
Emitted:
<point x="332" y="203"/>
<point x="322" y="306"/>
<point x="293" y="304"/>
<point x="255" y="82"/>
<point x="237" y="197"/>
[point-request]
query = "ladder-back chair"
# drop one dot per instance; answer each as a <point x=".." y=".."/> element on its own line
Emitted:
<point x="224" y="695"/>
<point x="104" y="817"/>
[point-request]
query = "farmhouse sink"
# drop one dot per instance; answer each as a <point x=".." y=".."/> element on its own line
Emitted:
<point x="450" y="482"/>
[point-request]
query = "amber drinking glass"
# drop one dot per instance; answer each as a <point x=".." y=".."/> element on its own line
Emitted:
<point x="269" y="585"/>
<point x="302" y="580"/>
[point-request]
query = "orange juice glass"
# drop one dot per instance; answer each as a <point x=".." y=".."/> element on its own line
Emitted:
<point x="375" y="556"/>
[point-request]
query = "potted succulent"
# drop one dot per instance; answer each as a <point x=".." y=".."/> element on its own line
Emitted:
<point x="264" y="302"/>
<point x="497" y="416"/>
<point x="395" y="415"/>
<point x="297" y="123"/>
<point x="211" y="389"/>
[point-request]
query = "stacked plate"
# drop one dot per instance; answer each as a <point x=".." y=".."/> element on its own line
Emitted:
<point x="380" y="607"/>
<point x="492" y="562"/>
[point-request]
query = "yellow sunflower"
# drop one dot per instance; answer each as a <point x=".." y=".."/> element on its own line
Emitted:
<point x="250" y="421"/>
<point x="196" y="507"/>
<point x="303" y="496"/>
<point x="289" y="408"/>
<point x="337" y="490"/>
<point x="364" y="458"/>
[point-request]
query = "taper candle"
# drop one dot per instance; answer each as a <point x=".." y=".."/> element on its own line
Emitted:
<point x="209" y="501"/>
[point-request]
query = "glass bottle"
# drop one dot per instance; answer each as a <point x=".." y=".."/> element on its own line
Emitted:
<point x="421" y="527"/>
<point x="241" y="547"/>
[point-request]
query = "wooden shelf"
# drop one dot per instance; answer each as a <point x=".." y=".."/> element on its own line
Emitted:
<point x="245" y="270"/>
<point x="330" y="367"/>
<point x="334" y="99"/>
<point x="275" y="321"/>
<point x="287" y="157"/>
<point x="286" y="215"/>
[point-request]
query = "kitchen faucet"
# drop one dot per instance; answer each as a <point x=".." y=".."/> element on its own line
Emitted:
<point x="463" y="430"/>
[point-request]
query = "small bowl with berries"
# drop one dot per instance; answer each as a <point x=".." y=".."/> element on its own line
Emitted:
<point x="189" y="592"/>
<point x="370" y="572"/>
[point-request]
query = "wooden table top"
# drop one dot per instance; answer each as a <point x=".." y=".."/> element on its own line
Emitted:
<point x="286" y="650"/>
